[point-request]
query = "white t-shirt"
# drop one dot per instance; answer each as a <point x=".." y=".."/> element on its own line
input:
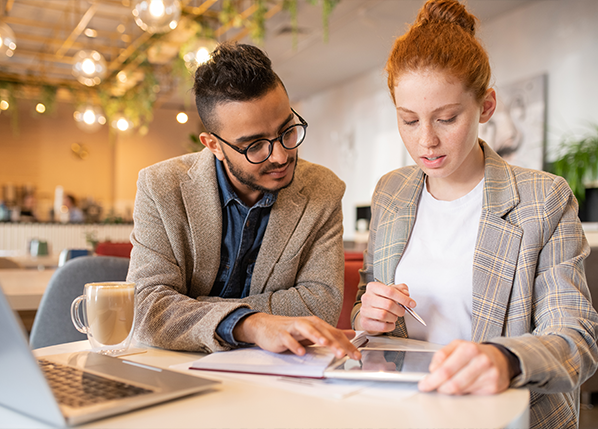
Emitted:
<point x="437" y="266"/>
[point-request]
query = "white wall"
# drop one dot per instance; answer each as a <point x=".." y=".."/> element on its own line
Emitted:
<point x="559" y="38"/>
<point x="352" y="127"/>
<point x="353" y="131"/>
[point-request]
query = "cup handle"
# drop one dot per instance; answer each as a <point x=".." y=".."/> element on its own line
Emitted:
<point x="79" y="325"/>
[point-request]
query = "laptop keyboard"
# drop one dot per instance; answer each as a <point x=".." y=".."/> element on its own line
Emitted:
<point x="77" y="388"/>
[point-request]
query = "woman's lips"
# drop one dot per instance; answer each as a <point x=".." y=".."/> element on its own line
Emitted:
<point x="433" y="161"/>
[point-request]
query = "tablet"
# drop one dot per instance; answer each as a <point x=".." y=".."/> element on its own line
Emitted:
<point x="383" y="365"/>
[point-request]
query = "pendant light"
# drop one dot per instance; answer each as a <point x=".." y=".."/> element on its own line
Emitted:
<point x="89" y="67"/>
<point x="89" y="117"/>
<point x="198" y="52"/>
<point x="8" y="41"/>
<point x="157" y="16"/>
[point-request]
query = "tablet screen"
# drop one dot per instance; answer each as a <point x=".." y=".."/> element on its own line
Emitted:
<point x="384" y="365"/>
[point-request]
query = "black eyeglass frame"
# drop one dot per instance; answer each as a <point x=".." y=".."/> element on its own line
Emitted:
<point x="303" y="125"/>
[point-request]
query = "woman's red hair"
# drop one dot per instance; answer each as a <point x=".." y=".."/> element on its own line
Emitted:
<point x="442" y="38"/>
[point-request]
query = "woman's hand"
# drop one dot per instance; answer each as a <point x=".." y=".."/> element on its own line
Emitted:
<point x="464" y="367"/>
<point x="380" y="307"/>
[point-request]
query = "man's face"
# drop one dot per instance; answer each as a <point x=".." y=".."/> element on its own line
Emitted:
<point x="242" y="123"/>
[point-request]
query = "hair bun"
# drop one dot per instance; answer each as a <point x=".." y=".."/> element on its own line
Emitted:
<point x="450" y="11"/>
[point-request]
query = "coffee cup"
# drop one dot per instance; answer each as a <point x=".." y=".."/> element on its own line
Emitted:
<point x="108" y="315"/>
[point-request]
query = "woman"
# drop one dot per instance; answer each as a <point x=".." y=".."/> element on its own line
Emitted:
<point x="492" y="253"/>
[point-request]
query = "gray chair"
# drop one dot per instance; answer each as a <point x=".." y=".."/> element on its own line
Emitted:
<point x="52" y="324"/>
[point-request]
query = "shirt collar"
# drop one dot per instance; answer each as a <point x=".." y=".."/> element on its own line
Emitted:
<point x="229" y="194"/>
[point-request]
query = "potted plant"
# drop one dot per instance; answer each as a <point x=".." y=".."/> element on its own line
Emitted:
<point x="578" y="164"/>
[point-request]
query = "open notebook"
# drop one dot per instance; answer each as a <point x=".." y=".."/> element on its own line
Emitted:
<point x="75" y="388"/>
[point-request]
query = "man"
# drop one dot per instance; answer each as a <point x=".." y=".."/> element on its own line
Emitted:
<point x="241" y="243"/>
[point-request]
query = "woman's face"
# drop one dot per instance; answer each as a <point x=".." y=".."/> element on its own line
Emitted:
<point x="438" y="122"/>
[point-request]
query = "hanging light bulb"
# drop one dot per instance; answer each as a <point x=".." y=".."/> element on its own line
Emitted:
<point x="157" y="16"/>
<point x="182" y="118"/>
<point x="89" y="67"/>
<point x="89" y="118"/>
<point x="8" y="41"/>
<point x="121" y="123"/>
<point x="198" y="52"/>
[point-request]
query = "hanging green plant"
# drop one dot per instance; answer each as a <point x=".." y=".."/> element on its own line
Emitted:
<point x="136" y="104"/>
<point x="8" y="93"/>
<point x="327" y="8"/>
<point x="48" y="97"/>
<point x="291" y="7"/>
<point x="229" y="14"/>
<point x="257" y="22"/>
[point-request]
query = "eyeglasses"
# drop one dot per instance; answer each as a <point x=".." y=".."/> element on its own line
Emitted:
<point x="260" y="150"/>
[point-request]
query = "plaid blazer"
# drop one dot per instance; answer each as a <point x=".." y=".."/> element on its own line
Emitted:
<point x="529" y="287"/>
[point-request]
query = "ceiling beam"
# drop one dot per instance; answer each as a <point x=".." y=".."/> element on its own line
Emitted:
<point x="44" y="56"/>
<point x="77" y="31"/>
<point x="244" y="15"/>
<point x="271" y="12"/>
<point x="201" y="9"/>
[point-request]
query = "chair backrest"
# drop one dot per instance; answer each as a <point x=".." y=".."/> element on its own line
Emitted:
<point x="52" y="324"/>
<point x="353" y="263"/>
<point x="108" y="248"/>
<point x="591" y="268"/>
<point x="68" y="254"/>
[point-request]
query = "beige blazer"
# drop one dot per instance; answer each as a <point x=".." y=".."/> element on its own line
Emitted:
<point x="529" y="286"/>
<point x="176" y="252"/>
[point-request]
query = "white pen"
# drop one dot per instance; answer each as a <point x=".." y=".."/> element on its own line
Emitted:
<point x="410" y="311"/>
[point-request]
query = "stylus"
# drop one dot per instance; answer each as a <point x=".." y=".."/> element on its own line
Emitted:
<point x="408" y="310"/>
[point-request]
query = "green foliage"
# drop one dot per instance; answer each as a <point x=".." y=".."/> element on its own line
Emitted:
<point x="291" y="7"/>
<point x="8" y="92"/>
<point x="92" y="239"/>
<point x="48" y="97"/>
<point x="113" y="218"/>
<point x="578" y="162"/>
<point x="229" y="14"/>
<point x="257" y="22"/>
<point x="137" y="104"/>
<point x="327" y="7"/>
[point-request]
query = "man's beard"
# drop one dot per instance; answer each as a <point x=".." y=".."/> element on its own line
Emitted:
<point x="251" y="182"/>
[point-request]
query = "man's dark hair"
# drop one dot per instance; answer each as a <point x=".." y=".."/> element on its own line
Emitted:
<point x="235" y="72"/>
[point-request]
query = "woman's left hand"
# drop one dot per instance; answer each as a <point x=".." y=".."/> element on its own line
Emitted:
<point x="464" y="367"/>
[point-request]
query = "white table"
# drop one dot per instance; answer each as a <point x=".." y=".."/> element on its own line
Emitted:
<point x="24" y="288"/>
<point x="238" y="402"/>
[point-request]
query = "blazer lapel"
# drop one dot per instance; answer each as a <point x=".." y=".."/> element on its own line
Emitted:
<point x="497" y="250"/>
<point x="393" y="233"/>
<point x="286" y="213"/>
<point x="395" y="227"/>
<point x="202" y="204"/>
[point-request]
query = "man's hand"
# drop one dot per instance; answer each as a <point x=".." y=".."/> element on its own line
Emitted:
<point x="464" y="367"/>
<point x="380" y="307"/>
<point x="279" y="333"/>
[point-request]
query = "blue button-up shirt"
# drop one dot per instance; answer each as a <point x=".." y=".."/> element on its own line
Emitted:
<point x="243" y="231"/>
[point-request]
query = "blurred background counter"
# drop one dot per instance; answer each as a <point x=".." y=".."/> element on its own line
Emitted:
<point x="39" y="244"/>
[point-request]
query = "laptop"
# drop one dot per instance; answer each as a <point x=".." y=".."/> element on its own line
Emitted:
<point x="102" y="385"/>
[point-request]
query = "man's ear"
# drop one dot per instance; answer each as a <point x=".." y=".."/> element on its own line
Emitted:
<point x="488" y="106"/>
<point x="212" y="144"/>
